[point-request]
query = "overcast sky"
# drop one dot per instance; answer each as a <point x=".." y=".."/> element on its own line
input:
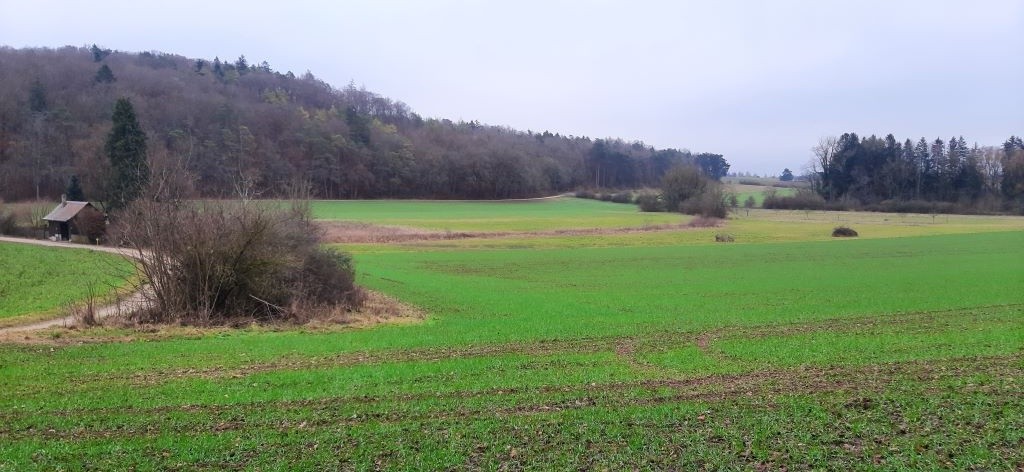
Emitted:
<point x="756" y="81"/>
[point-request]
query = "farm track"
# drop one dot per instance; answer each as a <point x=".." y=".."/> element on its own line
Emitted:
<point x="854" y="382"/>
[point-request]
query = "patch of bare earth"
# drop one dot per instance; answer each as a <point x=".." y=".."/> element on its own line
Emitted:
<point x="348" y="232"/>
<point x="376" y="309"/>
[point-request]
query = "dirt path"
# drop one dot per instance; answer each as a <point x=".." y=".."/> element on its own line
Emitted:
<point x="67" y="245"/>
<point x="127" y="305"/>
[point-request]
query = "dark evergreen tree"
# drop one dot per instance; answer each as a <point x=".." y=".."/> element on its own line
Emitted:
<point x="218" y="69"/>
<point x="242" y="65"/>
<point x="105" y="75"/>
<point x="74" y="191"/>
<point x="787" y="175"/>
<point x="37" y="98"/>
<point x="99" y="54"/>
<point x="126" y="149"/>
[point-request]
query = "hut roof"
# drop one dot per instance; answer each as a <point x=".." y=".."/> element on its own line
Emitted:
<point x="66" y="211"/>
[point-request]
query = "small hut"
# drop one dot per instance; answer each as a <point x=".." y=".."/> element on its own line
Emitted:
<point x="74" y="219"/>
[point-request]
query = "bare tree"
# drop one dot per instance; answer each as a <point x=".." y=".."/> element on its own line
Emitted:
<point x="825" y="155"/>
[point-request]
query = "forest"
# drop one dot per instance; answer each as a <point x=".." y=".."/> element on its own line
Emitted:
<point x="885" y="171"/>
<point x="232" y="123"/>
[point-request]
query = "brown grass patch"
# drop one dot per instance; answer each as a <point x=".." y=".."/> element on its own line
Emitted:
<point x="376" y="309"/>
<point x="352" y="232"/>
<point x="349" y="232"/>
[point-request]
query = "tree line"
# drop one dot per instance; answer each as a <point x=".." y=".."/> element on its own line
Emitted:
<point x="233" y="123"/>
<point x="875" y="170"/>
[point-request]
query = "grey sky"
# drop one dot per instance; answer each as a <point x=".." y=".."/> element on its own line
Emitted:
<point x="756" y="81"/>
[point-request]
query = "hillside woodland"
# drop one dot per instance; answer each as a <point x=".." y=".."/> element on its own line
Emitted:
<point x="233" y="123"/>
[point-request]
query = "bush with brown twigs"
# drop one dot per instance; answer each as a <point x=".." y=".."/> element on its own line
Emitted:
<point x="844" y="232"/>
<point x="216" y="262"/>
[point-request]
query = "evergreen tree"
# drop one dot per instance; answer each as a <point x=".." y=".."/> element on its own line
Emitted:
<point x="126" y="149"/>
<point x="218" y="69"/>
<point x="105" y="75"/>
<point x="925" y="169"/>
<point x="37" y="97"/>
<point x="74" y="191"/>
<point x="242" y="65"/>
<point x="912" y="167"/>
<point x="787" y="175"/>
<point x="99" y="54"/>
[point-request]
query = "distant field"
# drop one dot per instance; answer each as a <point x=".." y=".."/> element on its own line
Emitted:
<point x="39" y="280"/>
<point x="537" y="215"/>
<point x="764" y="181"/>
<point x="902" y="349"/>
<point x="742" y="192"/>
<point x="753" y="226"/>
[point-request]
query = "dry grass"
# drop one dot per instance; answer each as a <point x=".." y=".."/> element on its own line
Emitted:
<point x="377" y="309"/>
<point x="342" y="232"/>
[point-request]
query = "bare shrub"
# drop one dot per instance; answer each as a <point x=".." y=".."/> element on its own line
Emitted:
<point x="84" y="313"/>
<point x="8" y="221"/>
<point x="210" y="263"/>
<point x="709" y="204"/>
<point x="622" y="197"/>
<point x="687" y="190"/>
<point x="804" y="199"/>
<point x="650" y="202"/>
<point x="844" y="232"/>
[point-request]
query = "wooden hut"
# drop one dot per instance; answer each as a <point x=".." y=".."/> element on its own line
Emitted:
<point x="71" y="219"/>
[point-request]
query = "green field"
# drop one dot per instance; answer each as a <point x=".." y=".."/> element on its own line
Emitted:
<point x="903" y="349"/>
<point x="38" y="281"/>
<point x="536" y="215"/>
<point x="744" y="191"/>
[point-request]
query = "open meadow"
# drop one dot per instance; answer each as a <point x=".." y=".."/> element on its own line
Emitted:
<point x="494" y="216"/>
<point x="639" y="346"/>
<point x="37" y="282"/>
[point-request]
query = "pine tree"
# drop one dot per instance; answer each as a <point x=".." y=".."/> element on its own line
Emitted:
<point x="105" y="75"/>
<point x="911" y="166"/>
<point x="37" y="97"/>
<point x="242" y="65"/>
<point x="126" y="148"/>
<point x="74" y="191"/>
<point x="99" y="54"/>
<point x="926" y="167"/>
<point x="787" y="175"/>
<point x="218" y="70"/>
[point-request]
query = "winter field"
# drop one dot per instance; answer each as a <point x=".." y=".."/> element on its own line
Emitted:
<point x="569" y="334"/>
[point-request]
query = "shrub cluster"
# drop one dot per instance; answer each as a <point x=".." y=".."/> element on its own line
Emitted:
<point x="209" y="263"/>
<point x="844" y="232"/>
<point x="650" y="202"/>
<point x="614" y="197"/>
<point x="687" y="190"/>
<point x="8" y="221"/>
<point x="804" y="199"/>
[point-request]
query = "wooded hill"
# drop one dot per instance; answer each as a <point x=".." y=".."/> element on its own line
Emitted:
<point x="231" y="122"/>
